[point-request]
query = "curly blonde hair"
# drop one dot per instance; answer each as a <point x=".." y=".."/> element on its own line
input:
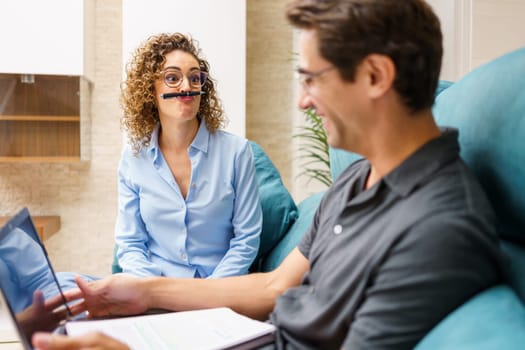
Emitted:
<point x="137" y="98"/>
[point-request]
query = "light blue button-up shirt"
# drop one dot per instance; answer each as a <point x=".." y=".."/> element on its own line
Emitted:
<point x="213" y="232"/>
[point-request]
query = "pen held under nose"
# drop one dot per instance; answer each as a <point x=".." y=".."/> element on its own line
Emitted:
<point x="178" y="94"/>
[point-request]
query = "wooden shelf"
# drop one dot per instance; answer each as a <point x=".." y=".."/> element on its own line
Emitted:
<point x="41" y="118"/>
<point x="39" y="159"/>
<point x="46" y="226"/>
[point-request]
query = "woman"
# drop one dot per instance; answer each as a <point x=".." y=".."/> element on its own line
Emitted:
<point x="188" y="197"/>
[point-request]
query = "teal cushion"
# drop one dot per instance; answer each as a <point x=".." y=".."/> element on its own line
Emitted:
<point x="494" y="319"/>
<point x="115" y="267"/>
<point x="307" y="210"/>
<point x="278" y="207"/>
<point x="442" y="86"/>
<point x="488" y="108"/>
<point x="516" y="255"/>
<point x="340" y="160"/>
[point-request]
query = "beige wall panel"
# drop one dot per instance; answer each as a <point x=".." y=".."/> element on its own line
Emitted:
<point x="269" y="82"/>
<point x="498" y="27"/>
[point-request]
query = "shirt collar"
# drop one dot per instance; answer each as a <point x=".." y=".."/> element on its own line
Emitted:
<point x="202" y="139"/>
<point x="154" y="142"/>
<point x="200" y="142"/>
<point x="417" y="167"/>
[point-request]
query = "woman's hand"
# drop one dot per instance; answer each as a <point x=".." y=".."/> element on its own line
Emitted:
<point x="89" y="341"/>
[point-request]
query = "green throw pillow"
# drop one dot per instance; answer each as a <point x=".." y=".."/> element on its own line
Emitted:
<point x="306" y="212"/>
<point x="278" y="207"/>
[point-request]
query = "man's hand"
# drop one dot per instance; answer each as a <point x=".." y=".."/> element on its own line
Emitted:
<point x="89" y="341"/>
<point x="119" y="294"/>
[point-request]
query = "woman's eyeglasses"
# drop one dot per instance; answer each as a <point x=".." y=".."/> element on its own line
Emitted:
<point x="173" y="78"/>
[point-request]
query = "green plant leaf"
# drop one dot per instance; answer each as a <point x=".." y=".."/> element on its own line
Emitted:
<point x="314" y="149"/>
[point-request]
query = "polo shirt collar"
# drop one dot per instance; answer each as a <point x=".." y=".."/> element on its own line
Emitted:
<point x="417" y="168"/>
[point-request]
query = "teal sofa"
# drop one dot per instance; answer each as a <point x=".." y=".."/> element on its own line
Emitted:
<point x="488" y="108"/>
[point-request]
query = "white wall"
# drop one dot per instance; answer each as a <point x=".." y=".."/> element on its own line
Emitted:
<point x="477" y="31"/>
<point x="455" y="17"/>
<point x="42" y="37"/>
<point x="218" y="26"/>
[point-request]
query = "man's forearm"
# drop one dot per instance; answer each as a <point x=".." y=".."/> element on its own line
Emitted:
<point x="252" y="295"/>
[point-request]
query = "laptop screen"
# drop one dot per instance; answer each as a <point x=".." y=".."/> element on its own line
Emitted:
<point x="10" y="333"/>
<point x="24" y="269"/>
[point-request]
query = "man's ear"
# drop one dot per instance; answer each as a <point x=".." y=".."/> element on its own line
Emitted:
<point x="381" y="72"/>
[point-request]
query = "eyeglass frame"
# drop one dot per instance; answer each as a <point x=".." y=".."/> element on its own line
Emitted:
<point x="203" y="76"/>
<point x="306" y="77"/>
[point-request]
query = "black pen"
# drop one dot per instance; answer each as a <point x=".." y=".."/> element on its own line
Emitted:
<point x="177" y="94"/>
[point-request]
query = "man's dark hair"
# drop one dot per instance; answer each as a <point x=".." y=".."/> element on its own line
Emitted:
<point x="407" y="31"/>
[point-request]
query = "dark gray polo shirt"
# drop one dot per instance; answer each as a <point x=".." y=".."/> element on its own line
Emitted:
<point x="388" y="263"/>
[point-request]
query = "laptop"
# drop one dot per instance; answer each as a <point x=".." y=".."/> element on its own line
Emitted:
<point x="24" y="268"/>
<point x="11" y="336"/>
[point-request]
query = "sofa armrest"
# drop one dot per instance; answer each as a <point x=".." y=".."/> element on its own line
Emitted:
<point x="493" y="319"/>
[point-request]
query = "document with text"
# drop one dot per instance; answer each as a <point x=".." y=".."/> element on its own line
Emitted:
<point x="218" y="328"/>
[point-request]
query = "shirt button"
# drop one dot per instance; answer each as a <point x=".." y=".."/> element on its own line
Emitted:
<point x="184" y="256"/>
<point x="194" y="185"/>
<point x="338" y="229"/>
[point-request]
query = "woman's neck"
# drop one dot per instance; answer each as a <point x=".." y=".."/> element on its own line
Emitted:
<point x="177" y="136"/>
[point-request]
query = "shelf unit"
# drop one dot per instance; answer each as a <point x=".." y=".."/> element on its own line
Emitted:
<point x="46" y="226"/>
<point x="44" y="118"/>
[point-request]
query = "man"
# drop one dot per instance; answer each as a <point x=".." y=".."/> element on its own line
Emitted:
<point x="401" y="239"/>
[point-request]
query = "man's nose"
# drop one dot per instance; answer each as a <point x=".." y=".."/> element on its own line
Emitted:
<point x="304" y="101"/>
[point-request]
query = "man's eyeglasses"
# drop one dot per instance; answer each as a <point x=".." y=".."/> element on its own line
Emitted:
<point x="173" y="78"/>
<point x="306" y="78"/>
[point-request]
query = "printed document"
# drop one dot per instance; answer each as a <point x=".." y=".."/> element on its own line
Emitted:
<point x="218" y="328"/>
